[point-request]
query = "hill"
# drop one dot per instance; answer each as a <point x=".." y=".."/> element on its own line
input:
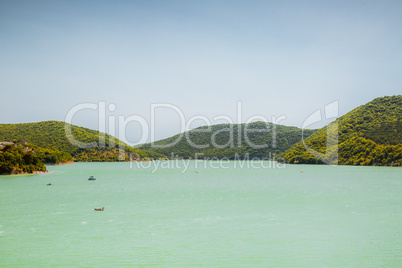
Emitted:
<point x="51" y="135"/>
<point x="371" y="134"/>
<point x="255" y="140"/>
<point x="19" y="160"/>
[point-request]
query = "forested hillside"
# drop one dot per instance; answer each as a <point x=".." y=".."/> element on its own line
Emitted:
<point x="17" y="160"/>
<point x="258" y="139"/>
<point x="51" y="135"/>
<point x="369" y="135"/>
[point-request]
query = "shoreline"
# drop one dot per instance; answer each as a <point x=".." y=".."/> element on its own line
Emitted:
<point x="36" y="172"/>
<point x="59" y="164"/>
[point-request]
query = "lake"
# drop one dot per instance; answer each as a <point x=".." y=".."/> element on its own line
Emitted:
<point x="230" y="214"/>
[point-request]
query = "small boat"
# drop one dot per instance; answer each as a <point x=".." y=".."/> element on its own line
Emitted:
<point x="91" y="178"/>
<point x="49" y="184"/>
<point x="99" y="209"/>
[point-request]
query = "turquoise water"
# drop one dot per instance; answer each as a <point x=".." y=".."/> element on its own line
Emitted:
<point x="222" y="216"/>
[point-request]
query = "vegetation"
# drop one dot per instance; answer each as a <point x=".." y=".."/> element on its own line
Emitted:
<point x="369" y="135"/>
<point x="51" y="157"/>
<point x="51" y="136"/>
<point x="18" y="160"/>
<point x="257" y="139"/>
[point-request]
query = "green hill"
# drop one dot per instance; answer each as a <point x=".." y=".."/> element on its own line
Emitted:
<point x="19" y="160"/>
<point x="369" y="135"/>
<point x="257" y="140"/>
<point x="51" y="135"/>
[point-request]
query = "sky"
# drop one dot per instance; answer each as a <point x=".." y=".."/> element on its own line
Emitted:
<point x="198" y="60"/>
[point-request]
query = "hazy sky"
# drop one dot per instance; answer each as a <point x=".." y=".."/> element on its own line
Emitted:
<point x="275" y="57"/>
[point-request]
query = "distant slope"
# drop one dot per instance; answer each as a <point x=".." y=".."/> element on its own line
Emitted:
<point x="51" y="135"/>
<point x="369" y="135"/>
<point x="227" y="141"/>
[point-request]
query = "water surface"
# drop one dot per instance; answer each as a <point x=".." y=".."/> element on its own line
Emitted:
<point x="227" y="216"/>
